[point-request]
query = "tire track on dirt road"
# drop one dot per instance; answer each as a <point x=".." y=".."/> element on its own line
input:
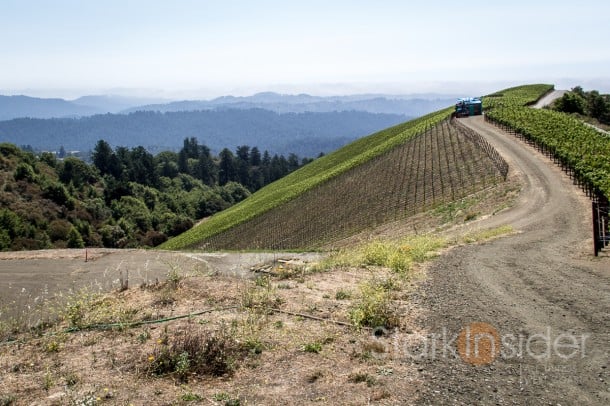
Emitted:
<point x="541" y="290"/>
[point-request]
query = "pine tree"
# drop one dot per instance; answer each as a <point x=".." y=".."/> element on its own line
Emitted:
<point x="227" y="170"/>
<point x="75" y="240"/>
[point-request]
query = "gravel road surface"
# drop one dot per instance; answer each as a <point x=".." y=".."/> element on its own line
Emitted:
<point x="543" y="298"/>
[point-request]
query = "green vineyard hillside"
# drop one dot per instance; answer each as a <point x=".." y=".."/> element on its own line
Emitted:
<point x="307" y="178"/>
<point x="384" y="177"/>
<point x="574" y="144"/>
<point x="445" y="163"/>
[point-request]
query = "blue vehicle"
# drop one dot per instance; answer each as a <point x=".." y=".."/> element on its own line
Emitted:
<point x="469" y="106"/>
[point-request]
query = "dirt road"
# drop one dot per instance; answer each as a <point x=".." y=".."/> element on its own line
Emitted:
<point x="545" y="298"/>
<point x="549" y="98"/>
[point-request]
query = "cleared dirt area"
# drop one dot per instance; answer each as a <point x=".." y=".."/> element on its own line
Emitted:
<point x="541" y="290"/>
<point x="31" y="277"/>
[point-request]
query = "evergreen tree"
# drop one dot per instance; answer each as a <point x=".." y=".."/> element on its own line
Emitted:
<point x="191" y="147"/>
<point x="75" y="240"/>
<point x="255" y="157"/>
<point x="257" y="178"/>
<point x="105" y="160"/>
<point x="279" y="167"/>
<point x="243" y="165"/>
<point x="142" y="169"/>
<point x="571" y="103"/>
<point x="293" y="162"/>
<point x="183" y="162"/>
<point x="124" y="160"/>
<point x="166" y="164"/>
<point x="206" y="169"/>
<point x="227" y="170"/>
<point x="598" y="106"/>
<point x="76" y="171"/>
<point x="266" y="168"/>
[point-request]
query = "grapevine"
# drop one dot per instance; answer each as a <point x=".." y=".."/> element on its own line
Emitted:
<point x="443" y="163"/>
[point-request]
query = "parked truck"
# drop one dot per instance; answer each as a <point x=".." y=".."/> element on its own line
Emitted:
<point x="469" y="106"/>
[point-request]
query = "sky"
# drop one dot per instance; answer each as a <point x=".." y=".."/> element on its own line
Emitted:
<point x="201" y="49"/>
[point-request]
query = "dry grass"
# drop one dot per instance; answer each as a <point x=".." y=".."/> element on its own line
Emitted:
<point x="301" y="333"/>
<point x="244" y="352"/>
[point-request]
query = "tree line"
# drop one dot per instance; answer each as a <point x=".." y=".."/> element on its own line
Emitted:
<point x="127" y="197"/>
<point x="591" y="104"/>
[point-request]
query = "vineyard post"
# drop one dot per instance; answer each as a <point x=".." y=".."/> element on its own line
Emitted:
<point x="596" y="243"/>
<point x="604" y="228"/>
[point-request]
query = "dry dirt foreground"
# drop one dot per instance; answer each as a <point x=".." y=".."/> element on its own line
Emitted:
<point x="543" y="296"/>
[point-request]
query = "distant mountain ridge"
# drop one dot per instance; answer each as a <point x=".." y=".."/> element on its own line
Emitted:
<point x="114" y="104"/>
<point x="416" y="105"/>
<point x="306" y="134"/>
<point x="32" y="107"/>
<point x="25" y="106"/>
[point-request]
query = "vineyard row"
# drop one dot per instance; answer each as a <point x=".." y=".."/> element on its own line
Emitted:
<point x="581" y="152"/>
<point x="442" y="164"/>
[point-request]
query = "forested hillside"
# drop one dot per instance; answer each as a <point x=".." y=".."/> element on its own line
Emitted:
<point x="307" y="134"/>
<point x="127" y="197"/>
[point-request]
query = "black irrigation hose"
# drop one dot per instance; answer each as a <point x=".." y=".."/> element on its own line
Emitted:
<point x="110" y="326"/>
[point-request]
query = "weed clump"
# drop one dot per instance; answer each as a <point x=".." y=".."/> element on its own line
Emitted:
<point x="8" y="400"/>
<point x="343" y="294"/>
<point x="398" y="256"/>
<point x="484" y="235"/>
<point x="360" y="377"/>
<point x="195" y="353"/>
<point x="84" y="309"/>
<point x="314" y="347"/>
<point x="377" y="253"/>
<point x="374" y="308"/>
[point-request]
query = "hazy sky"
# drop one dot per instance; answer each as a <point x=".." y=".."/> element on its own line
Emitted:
<point x="201" y="49"/>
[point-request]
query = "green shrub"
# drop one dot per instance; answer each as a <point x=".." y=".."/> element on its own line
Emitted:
<point x="421" y="248"/>
<point x="75" y="240"/>
<point x="112" y="236"/>
<point x="374" y="307"/>
<point x="57" y="193"/>
<point x="25" y="172"/>
<point x="377" y="253"/>
<point x="5" y="240"/>
<point x="59" y="230"/>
